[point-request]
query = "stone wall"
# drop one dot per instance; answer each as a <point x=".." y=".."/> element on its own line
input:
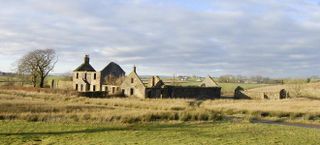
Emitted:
<point x="98" y="94"/>
<point x="133" y="86"/>
<point x="184" y="92"/>
<point x="91" y="83"/>
<point x="111" y="90"/>
<point x="59" y="84"/>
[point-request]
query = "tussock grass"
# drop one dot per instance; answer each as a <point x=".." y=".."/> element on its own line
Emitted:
<point x="301" y="109"/>
<point x="298" y="90"/>
<point x="55" y="107"/>
<point x="41" y="106"/>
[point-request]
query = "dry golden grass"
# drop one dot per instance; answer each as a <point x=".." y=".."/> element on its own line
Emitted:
<point x="287" y="105"/>
<point x="40" y="106"/>
<point x="43" y="106"/>
<point x="304" y="90"/>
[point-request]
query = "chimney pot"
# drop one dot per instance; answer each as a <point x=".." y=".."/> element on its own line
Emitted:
<point x="86" y="59"/>
<point x="134" y="69"/>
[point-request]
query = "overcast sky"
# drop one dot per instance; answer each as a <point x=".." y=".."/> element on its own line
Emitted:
<point x="276" y="38"/>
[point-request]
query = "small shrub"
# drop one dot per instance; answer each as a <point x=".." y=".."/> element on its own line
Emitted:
<point x="75" y="118"/>
<point x="265" y="114"/>
<point x="184" y="116"/>
<point x="130" y="119"/>
<point x="174" y="116"/>
<point x="32" y="118"/>
<point x="86" y="116"/>
<point x="230" y="112"/>
<point x="283" y="115"/>
<point x="256" y="113"/>
<point x="204" y="117"/>
<point x="215" y="116"/>
<point x="177" y="108"/>
<point x="296" y="115"/>
<point x="2" y="117"/>
<point x="312" y="117"/>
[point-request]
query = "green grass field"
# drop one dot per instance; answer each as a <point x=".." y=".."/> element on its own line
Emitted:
<point x="230" y="87"/>
<point x="18" y="132"/>
<point x="44" y="116"/>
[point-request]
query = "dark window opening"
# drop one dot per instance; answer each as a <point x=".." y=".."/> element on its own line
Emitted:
<point x="94" y="87"/>
<point x="77" y="87"/>
<point x="77" y="75"/>
<point x="123" y="91"/>
<point x="113" y="90"/>
<point x="131" y="91"/>
<point x="149" y="94"/>
<point x="153" y="82"/>
<point x="94" y="76"/>
<point x="81" y="87"/>
<point x="85" y="76"/>
<point x="132" y="80"/>
<point x="87" y="87"/>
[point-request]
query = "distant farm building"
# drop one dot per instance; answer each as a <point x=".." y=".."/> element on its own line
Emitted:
<point x="112" y="81"/>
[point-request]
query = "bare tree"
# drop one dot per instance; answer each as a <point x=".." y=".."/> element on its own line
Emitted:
<point x="38" y="64"/>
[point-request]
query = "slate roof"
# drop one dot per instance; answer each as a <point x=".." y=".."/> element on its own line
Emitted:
<point x="113" y="69"/>
<point x="85" y="67"/>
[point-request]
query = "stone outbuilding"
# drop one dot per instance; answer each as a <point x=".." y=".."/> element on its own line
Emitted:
<point x="133" y="86"/>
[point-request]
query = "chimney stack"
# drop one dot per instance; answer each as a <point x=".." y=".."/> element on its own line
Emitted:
<point x="86" y="59"/>
<point x="135" y="69"/>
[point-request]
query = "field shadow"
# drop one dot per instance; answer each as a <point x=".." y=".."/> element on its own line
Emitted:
<point x="95" y="130"/>
<point x="135" y="127"/>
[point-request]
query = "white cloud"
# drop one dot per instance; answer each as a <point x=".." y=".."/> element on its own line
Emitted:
<point x="165" y="37"/>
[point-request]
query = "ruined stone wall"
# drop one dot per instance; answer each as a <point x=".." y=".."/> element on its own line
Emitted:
<point x="133" y="86"/>
<point x="111" y="89"/>
<point x="184" y="92"/>
<point x="59" y="84"/>
<point x="209" y="82"/>
<point x="84" y="81"/>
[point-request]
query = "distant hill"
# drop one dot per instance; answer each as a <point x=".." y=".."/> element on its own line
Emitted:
<point x="5" y="73"/>
<point x="1" y="73"/>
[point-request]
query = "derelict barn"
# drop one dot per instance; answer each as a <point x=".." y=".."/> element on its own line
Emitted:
<point x="184" y="92"/>
<point x="156" y="88"/>
<point x="112" y="81"/>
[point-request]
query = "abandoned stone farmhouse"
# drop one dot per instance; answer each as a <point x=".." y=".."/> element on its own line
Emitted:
<point x="112" y="81"/>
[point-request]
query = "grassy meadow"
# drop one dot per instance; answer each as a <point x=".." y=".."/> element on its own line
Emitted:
<point x="43" y="105"/>
<point x="296" y="90"/>
<point x="45" y="116"/>
<point x="21" y="132"/>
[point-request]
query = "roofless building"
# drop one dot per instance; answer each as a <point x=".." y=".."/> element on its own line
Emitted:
<point x="112" y="81"/>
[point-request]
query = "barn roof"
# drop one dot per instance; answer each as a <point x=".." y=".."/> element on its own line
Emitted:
<point x="113" y="69"/>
